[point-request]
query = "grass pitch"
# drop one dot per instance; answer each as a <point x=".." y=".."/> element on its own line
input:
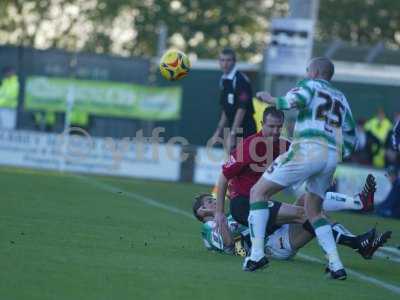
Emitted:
<point x="79" y="237"/>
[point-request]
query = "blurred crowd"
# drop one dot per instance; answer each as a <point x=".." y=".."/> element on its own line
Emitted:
<point x="42" y="120"/>
<point x="374" y="142"/>
<point x="375" y="149"/>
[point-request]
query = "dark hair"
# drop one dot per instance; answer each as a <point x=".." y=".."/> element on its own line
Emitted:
<point x="230" y="52"/>
<point x="198" y="202"/>
<point x="273" y="111"/>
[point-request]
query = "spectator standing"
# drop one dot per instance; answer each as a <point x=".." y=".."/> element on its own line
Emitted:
<point x="392" y="156"/>
<point x="368" y="145"/>
<point x="380" y="127"/>
<point x="396" y="135"/>
<point x="9" y="89"/>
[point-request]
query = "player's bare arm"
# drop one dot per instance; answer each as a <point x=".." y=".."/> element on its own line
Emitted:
<point x="226" y="234"/>
<point x="222" y="186"/>
<point x="220" y="127"/>
<point x="266" y="97"/>
<point x="237" y="123"/>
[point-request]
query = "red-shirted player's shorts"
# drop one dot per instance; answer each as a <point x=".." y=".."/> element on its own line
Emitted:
<point x="239" y="209"/>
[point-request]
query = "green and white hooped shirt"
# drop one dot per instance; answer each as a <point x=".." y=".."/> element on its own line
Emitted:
<point x="324" y="115"/>
<point x="213" y="239"/>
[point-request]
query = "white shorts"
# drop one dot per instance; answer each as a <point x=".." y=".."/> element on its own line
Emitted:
<point x="312" y="163"/>
<point x="278" y="244"/>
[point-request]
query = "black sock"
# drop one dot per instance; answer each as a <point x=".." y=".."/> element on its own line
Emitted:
<point x="246" y="240"/>
<point x="309" y="228"/>
<point x="349" y="241"/>
<point x="342" y="238"/>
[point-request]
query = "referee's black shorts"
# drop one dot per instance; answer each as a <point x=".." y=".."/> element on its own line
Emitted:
<point x="240" y="207"/>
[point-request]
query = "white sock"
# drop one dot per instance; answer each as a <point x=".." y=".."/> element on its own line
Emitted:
<point x="336" y="201"/>
<point x="323" y="232"/>
<point x="258" y="218"/>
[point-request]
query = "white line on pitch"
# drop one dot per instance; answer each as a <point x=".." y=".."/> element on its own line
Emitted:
<point x="392" y="250"/>
<point x="148" y="201"/>
<point x="387" y="256"/>
<point x="110" y="188"/>
<point x="373" y="280"/>
<point x="389" y="253"/>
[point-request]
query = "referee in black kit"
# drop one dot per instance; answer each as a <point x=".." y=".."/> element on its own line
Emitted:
<point x="235" y="100"/>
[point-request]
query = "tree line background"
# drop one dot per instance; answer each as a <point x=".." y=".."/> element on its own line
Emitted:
<point x="131" y="27"/>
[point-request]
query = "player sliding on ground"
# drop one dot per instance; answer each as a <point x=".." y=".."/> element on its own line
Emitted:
<point x="283" y="242"/>
<point x="324" y="128"/>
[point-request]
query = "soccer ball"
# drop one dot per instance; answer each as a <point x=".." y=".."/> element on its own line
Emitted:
<point x="174" y="65"/>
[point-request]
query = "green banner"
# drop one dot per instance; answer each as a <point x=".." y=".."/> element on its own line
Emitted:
<point x="103" y="98"/>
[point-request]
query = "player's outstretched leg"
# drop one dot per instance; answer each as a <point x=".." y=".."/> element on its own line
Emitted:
<point x="337" y="202"/>
<point x="363" y="201"/>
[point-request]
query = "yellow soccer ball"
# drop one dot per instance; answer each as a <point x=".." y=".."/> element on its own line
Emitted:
<point x="174" y="65"/>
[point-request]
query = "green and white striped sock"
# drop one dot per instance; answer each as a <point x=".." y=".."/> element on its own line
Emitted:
<point x="323" y="232"/>
<point x="258" y="218"/>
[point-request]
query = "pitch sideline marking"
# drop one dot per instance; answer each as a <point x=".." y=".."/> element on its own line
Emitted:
<point x="370" y="279"/>
<point x="387" y="256"/>
<point x="110" y="188"/>
<point x="390" y="253"/>
<point x="152" y="202"/>
<point x="392" y="250"/>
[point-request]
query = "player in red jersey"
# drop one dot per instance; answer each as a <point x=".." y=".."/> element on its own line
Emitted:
<point x="247" y="163"/>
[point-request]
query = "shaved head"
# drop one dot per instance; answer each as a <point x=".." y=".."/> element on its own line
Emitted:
<point x="321" y="67"/>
